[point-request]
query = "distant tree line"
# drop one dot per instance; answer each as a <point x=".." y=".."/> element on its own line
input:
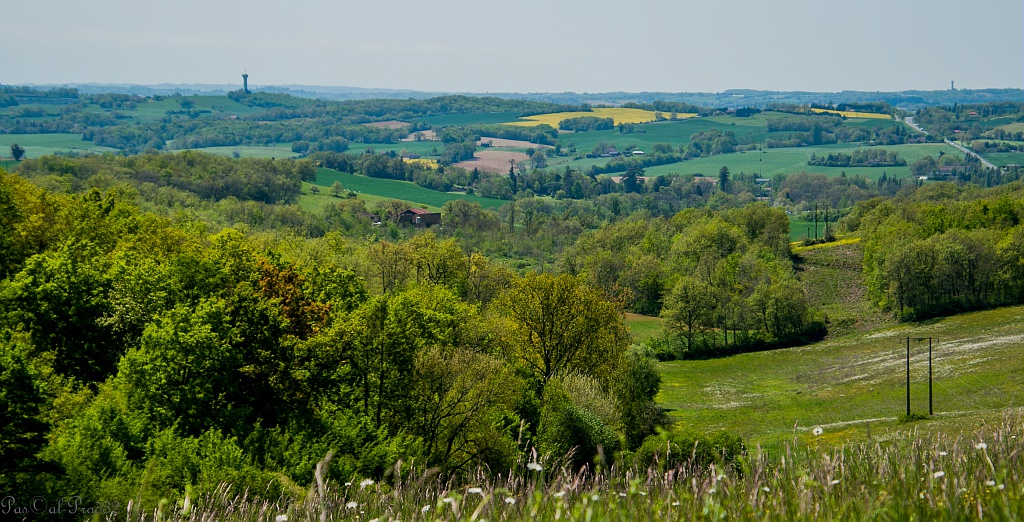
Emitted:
<point x="859" y="158"/>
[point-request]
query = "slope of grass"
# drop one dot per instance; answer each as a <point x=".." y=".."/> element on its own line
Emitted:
<point x="644" y="327"/>
<point x="36" y="145"/>
<point x="394" y="189"/>
<point x="854" y="386"/>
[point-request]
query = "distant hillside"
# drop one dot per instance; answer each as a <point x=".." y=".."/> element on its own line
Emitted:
<point x="732" y="98"/>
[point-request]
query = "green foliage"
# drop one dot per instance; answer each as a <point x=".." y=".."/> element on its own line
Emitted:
<point x="675" y="449"/>
<point x="577" y="421"/>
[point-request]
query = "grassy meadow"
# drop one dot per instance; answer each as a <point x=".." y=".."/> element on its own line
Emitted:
<point x="37" y="145"/>
<point x="855" y="114"/>
<point x="853" y="388"/>
<point x="393" y="189"/>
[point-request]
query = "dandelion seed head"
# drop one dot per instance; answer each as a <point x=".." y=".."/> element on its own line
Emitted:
<point x="981" y="446"/>
<point x="817" y="431"/>
<point x="533" y="466"/>
<point x="939" y="474"/>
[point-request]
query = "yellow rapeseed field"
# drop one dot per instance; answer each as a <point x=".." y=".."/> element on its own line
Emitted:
<point x="618" y="114"/>
<point x="426" y="161"/>
<point x="852" y="114"/>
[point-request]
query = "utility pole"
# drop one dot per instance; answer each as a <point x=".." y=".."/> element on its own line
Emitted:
<point x="931" y="410"/>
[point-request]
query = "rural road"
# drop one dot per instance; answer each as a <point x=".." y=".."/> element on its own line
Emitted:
<point x="963" y="149"/>
<point x="910" y="121"/>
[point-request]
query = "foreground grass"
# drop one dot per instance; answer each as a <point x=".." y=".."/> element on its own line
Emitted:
<point x="916" y="475"/>
<point x="853" y="387"/>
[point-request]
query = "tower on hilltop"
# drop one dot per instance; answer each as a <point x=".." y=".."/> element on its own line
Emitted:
<point x="245" y="83"/>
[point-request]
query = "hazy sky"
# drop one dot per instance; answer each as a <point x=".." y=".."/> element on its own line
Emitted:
<point x="520" y="46"/>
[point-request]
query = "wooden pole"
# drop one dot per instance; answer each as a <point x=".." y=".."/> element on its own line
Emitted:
<point x="908" y="376"/>
<point x="930" y="411"/>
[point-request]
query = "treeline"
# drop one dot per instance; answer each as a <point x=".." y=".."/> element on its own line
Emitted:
<point x="823" y="129"/>
<point x="206" y="176"/>
<point x="144" y="358"/>
<point x="945" y="249"/>
<point x="969" y="121"/>
<point x="859" y="158"/>
<point x="586" y="123"/>
<point x="723" y="280"/>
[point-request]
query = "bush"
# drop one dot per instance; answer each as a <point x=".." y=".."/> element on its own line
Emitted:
<point x="670" y="450"/>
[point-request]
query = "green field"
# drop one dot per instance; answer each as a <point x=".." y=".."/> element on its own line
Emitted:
<point x="153" y="110"/>
<point x="644" y="327"/>
<point x="394" y="189"/>
<point x="853" y="387"/>
<point x="790" y="160"/>
<point x="36" y="145"/>
<point x="247" y="151"/>
<point x="1002" y="159"/>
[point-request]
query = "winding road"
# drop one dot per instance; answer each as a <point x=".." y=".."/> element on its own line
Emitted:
<point x="910" y="121"/>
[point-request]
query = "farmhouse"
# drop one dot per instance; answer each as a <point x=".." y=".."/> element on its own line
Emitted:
<point x="419" y="217"/>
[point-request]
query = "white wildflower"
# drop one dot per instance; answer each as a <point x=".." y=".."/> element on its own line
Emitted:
<point x="834" y="482"/>
<point x="817" y="431"/>
<point x="478" y="491"/>
<point x="510" y="500"/>
<point x="676" y="503"/>
<point x="533" y="466"/>
<point x="981" y="446"/>
<point x="595" y="497"/>
<point x="990" y="483"/>
<point x="1001" y="486"/>
<point x="766" y="489"/>
<point x="447" y="500"/>
<point x="943" y="453"/>
<point x="347" y="484"/>
<point x="560" y="494"/>
<point x="281" y="518"/>
<point x="352" y="505"/>
<point x="711" y="491"/>
<point x="424" y="509"/>
<point x="365" y="482"/>
<point x="939" y="474"/>
<point x="622" y="494"/>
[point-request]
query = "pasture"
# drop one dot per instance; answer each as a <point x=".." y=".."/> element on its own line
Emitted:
<point x="252" y="151"/>
<point x="393" y="189"/>
<point x="773" y="162"/>
<point x="853" y="387"/>
<point x="36" y="145"/>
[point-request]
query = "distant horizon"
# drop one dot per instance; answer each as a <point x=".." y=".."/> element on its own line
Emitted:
<point x="533" y="46"/>
<point x="257" y="87"/>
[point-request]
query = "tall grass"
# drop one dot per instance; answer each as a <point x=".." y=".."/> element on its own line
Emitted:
<point x="914" y="475"/>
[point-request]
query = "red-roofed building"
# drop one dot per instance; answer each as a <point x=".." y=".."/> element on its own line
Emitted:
<point x="419" y="217"/>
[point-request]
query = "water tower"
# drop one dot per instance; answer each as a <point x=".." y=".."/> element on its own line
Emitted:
<point x="245" y="83"/>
